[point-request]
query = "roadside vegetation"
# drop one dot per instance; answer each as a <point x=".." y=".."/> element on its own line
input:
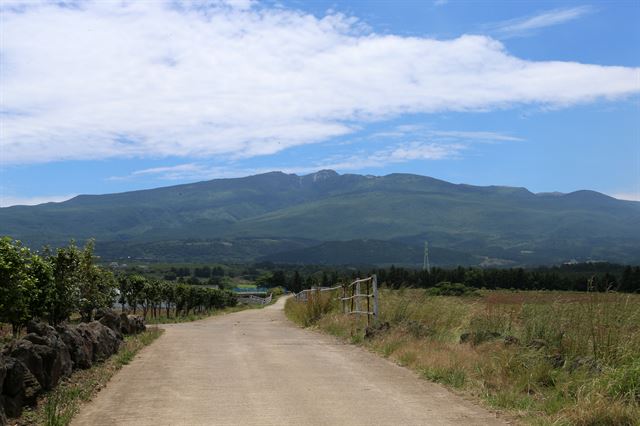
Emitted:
<point x="57" y="407"/>
<point x="548" y="358"/>
<point x="68" y="284"/>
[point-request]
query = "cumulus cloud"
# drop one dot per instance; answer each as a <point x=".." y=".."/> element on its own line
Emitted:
<point x="93" y="79"/>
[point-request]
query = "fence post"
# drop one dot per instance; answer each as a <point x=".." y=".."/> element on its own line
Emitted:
<point x="358" y="297"/>
<point x="375" y="297"/>
<point x="368" y="302"/>
<point x="344" y="302"/>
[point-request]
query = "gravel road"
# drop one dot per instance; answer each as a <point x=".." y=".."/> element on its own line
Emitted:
<point x="256" y="368"/>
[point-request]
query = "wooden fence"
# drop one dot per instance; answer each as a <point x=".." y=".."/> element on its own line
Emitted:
<point x="351" y="296"/>
<point x="255" y="299"/>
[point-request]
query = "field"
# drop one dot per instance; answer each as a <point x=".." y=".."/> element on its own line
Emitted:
<point x="558" y="358"/>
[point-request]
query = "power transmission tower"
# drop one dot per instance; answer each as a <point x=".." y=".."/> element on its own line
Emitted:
<point x="425" y="262"/>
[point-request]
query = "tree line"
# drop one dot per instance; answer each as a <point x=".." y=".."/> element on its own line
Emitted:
<point x="53" y="285"/>
<point x="611" y="278"/>
<point x="595" y="277"/>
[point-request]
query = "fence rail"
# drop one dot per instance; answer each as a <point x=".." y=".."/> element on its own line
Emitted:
<point x="351" y="296"/>
<point x="256" y="300"/>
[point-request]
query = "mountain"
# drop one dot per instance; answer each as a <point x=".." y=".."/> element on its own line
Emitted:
<point x="289" y="218"/>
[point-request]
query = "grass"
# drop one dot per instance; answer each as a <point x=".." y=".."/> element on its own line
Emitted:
<point x="547" y="358"/>
<point x="309" y="312"/>
<point x="57" y="407"/>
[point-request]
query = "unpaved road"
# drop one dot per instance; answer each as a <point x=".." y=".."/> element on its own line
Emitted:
<point x="256" y="368"/>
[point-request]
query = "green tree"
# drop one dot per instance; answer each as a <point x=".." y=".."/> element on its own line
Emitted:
<point x="134" y="290"/>
<point x="279" y="279"/>
<point x="44" y="291"/>
<point x="296" y="282"/>
<point x="65" y="293"/>
<point x="16" y="284"/>
<point x="96" y="287"/>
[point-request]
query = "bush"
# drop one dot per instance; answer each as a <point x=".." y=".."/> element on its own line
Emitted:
<point x="277" y="291"/>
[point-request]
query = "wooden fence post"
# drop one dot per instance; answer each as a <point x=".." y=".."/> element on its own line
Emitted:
<point x="375" y="296"/>
<point x="368" y="302"/>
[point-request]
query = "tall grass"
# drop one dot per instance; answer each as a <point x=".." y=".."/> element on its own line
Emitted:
<point x="547" y="357"/>
<point x="308" y="312"/>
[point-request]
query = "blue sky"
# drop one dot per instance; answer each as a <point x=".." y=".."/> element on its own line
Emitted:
<point x="101" y="97"/>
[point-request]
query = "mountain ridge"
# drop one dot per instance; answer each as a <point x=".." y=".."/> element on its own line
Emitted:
<point x="321" y="207"/>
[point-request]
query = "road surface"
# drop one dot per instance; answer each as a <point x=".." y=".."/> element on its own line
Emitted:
<point x="254" y="367"/>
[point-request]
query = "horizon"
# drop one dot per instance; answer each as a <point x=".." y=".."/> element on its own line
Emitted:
<point x="110" y="97"/>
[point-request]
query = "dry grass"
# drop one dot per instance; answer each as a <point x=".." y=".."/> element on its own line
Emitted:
<point x="548" y="357"/>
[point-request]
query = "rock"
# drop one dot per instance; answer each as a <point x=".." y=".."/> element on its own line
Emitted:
<point x="511" y="340"/>
<point x="556" y="360"/>
<point x="136" y="324"/>
<point x="3" y="374"/>
<point x="113" y="321"/>
<point x="587" y="363"/>
<point x="80" y="346"/>
<point x="19" y="388"/>
<point x="40" y="328"/>
<point x="104" y="341"/>
<point x="376" y="329"/>
<point x="3" y="417"/>
<point x="46" y="357"/>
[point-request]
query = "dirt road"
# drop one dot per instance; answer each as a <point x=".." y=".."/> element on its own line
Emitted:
<point x="256" y="368"/>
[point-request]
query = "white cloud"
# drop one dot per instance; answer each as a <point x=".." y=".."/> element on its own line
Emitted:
<point x="523" y="26"/>
<point x="393" y="154"/>
<point x="8" y="200"/>
<point x="629" y="196"/>
<point x="187" y="171"/>
<point x="151" y="79"/>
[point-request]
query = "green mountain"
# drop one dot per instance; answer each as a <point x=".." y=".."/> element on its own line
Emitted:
<point x="327" y="217"/>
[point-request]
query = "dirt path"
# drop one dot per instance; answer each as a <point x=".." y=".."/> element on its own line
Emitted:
<point x="255" y="368"/>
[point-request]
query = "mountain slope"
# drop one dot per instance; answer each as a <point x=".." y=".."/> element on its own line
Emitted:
<point x="298" y="212"/>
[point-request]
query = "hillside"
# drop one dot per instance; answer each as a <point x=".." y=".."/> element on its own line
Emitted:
<point x="291" y="218"/>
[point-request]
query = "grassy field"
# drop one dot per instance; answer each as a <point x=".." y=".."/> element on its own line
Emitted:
<point x="548" y="358"/>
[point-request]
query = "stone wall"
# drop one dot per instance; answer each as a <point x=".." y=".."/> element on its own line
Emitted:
<point x="38" y="361"/>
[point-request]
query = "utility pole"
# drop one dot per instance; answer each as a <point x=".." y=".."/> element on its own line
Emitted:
<point x="425" y="262"/>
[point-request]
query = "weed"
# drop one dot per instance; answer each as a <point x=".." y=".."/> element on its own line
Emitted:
<point x="558" y="358"/>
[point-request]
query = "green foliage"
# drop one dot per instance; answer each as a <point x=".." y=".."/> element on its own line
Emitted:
<point x="276" y="291"/>
<point x="66" y="270"/>
<point x="446" y="288"/>
<point x="17" y="285"/>
<point x="52" y="287"/>
<point x="96" y="286"/>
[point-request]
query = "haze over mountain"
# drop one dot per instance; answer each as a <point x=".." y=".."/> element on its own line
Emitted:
<point x="326" y="217"/>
